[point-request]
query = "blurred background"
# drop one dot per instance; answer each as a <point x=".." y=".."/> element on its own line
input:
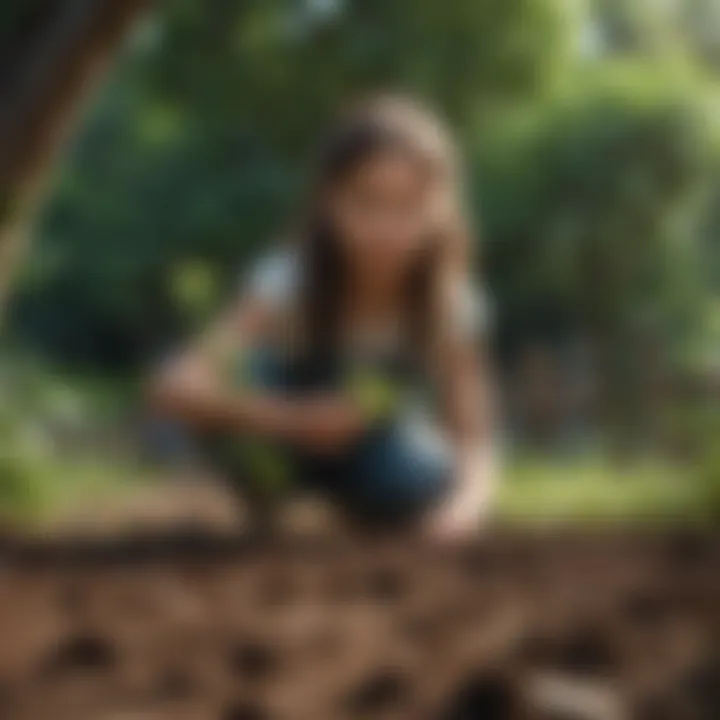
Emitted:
<point x="590" y="131"/>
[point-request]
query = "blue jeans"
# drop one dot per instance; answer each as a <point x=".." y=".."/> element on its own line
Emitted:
<point x="399" y="467"/>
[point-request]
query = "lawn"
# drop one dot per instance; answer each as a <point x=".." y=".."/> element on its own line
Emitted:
<point x="595" y="489"/>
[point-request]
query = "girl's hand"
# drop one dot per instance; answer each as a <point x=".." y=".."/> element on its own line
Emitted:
<point x="326" y="425"/>
<point x="455" y="521"/>
<point x="466" y="511"/>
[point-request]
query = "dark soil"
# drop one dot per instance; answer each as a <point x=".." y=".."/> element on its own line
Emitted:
<point x="546" y="626"/>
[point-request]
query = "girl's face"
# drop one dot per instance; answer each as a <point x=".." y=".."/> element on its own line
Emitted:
<point x="381" y="212"/>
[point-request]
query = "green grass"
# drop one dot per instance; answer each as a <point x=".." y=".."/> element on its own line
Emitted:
<point x="592" y="489"/>
<point x="33" y="489"/>
<point x="36" y="482"/>
<point x="533" y="491"/>
<point x="36" y="477"/>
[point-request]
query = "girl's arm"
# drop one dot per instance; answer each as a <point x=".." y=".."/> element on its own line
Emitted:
<point x="464" y="377"/>
<point x="190" y="387"/>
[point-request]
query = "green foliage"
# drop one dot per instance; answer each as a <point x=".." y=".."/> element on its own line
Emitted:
<point x="592" y="175"/>
<point x="592" y="206"/>
<point x="679" y="29"/>
<point x="38" y="472"/>
<point x="195" y="151"/>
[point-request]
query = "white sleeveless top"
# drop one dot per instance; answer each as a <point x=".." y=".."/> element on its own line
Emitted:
<point x="276" y="280"/>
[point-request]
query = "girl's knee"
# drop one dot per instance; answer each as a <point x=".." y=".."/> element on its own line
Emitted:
<point x="401" y="471"/>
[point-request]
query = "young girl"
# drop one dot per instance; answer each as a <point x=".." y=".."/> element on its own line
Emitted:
<point x="336" y="335"/>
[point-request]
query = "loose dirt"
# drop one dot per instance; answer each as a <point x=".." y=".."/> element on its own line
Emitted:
<point x="191" y="625"/>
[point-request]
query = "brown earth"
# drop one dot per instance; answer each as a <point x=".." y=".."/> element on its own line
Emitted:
<point x="190" y="625"/>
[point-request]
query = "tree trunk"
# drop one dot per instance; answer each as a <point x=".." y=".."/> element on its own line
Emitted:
<point x="49" y="62"/>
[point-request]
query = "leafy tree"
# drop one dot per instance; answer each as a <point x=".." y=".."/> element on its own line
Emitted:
<point x="193" y="153"/>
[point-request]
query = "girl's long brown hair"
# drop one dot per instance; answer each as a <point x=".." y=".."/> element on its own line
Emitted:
<point x="383" y="124"/>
